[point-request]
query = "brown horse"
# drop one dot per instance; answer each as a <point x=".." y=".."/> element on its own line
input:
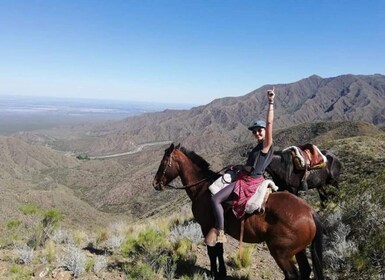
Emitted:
<point x="288" y="224"/>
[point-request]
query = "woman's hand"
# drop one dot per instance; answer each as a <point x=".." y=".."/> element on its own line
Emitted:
<point x="237" y="168"/>
<point x="270" y="95"/>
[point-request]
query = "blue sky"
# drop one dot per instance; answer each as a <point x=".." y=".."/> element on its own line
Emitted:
<point x="179" y="51"/>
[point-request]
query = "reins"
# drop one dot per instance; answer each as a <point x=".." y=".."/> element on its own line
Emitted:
<point x="193" y="184"/>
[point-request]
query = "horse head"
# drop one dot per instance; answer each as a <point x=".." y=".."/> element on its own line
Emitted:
<point x="167" y="170"/>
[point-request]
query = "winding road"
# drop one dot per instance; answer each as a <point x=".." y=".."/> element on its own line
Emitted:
<point x="136" y="150"/>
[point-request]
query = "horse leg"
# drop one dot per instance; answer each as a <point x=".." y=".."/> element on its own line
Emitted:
<point x="322" y="195"/>
<point x="287" y="266"/>
<point x="212" y="252"/>
<point x="303" y="264"/>
<point x="222" y="267"/>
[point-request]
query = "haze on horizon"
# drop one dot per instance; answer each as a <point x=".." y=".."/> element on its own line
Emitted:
<point x="182" y="51"/>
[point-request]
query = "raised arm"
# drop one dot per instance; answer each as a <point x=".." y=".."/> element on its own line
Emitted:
<point x="269" y="122"/>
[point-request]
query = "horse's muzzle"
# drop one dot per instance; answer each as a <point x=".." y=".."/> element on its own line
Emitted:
<point x="157" y="185"/>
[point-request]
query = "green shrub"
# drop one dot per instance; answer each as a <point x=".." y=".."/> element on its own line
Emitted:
<point x="148" y="241"/>
<point x="29" y="209"/>
<point x="182" y="247"/>
<point x="49" y="252"/>
<point x="12" y="224"/>
<point x="89" y="265"/>
<point x="83" y="156"/>
<point x="101" y="236"/>
<point x="141" y="271"/>
<point x="52" y="218"/>
<point x="40" y="233"/>
<point x="244" y="259"/>
<point x="18" y="272"/>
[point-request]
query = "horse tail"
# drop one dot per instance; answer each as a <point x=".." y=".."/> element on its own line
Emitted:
<point x="316" y="249"/>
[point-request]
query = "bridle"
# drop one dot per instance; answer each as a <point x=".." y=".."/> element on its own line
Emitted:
<point x="169" y="163"/>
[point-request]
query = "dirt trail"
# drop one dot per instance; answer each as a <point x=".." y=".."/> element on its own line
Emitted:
<point x="136" y="150"/>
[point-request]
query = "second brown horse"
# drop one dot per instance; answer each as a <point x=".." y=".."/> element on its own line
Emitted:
<point x="288" y="224"/>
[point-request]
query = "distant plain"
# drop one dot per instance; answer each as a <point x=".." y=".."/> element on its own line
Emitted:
<point x="20" y="113"/>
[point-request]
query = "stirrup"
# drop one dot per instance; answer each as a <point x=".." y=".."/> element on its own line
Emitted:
<point x="221" y="237"/>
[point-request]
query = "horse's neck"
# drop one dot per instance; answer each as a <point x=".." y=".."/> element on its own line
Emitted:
<point x="190" y="174"/>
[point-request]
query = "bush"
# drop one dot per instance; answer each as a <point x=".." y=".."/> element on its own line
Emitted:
<point x="83" y="156"/>
<point x="24" y="255"/>
<point x="148" y="241"/>
<point x="190" y="230"/>
<point x="20" y="273"/>
<point x="12" y="224"/>
<point x="29" y="209"/>
<point x="150" y="250"/>
<point x="100" y="264"/>
<point x="114" y="242"/>
<point x="355" y="227"/>
<point x="141" y="271"/>
<point x="52" y="218"/>
<point x="49" y="252"/>
<point x="61" y="236"/>
<point x="245" y="259"/>
<point x="73" y="260"/>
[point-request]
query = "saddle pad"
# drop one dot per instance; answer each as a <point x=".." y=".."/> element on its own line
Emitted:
<point x="257" y="201"/>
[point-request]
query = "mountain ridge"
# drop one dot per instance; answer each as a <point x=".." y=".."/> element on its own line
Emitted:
<point x="222" y="123"/>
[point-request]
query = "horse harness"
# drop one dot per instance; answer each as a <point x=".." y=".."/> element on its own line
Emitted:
<point x="169" y="163"/>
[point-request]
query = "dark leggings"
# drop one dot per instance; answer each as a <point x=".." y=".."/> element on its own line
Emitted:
<point x="216" y="202"/>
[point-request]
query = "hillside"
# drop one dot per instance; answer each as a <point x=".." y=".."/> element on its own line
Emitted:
<point x="119" y="185"/>
<point x="123" y="184"/>
<point x="31" y="174"/>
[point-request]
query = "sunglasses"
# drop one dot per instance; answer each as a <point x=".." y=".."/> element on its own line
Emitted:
<point x="259" y="130"/>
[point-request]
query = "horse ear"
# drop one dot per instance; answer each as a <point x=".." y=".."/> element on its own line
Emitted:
<point x="170" y="149"/>
<point x="178" y="146"/>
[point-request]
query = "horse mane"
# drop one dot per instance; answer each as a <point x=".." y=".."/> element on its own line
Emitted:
<point x="277" y="152"/>
<point x="199" y="161"/>
<point x="288" y="163"/>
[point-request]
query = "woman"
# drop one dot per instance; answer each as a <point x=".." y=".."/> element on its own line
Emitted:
<point x="259" y="158"/>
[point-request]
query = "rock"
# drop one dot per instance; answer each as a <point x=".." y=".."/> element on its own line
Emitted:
<point x="41" y="271"/>
<point x="61" y="274"/>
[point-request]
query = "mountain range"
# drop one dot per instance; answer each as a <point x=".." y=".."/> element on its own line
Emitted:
<point x="222" y="123"/>
<point x="41" y="165"/>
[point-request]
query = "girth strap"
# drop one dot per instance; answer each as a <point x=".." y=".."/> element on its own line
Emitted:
<point x="241" y="237"/>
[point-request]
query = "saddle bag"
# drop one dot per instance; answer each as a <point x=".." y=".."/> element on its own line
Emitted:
<point x="222" y="182"/>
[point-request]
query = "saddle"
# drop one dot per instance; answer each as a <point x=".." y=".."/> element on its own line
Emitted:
<point x="307" y="157"/>
<point x="256" y="204"/>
